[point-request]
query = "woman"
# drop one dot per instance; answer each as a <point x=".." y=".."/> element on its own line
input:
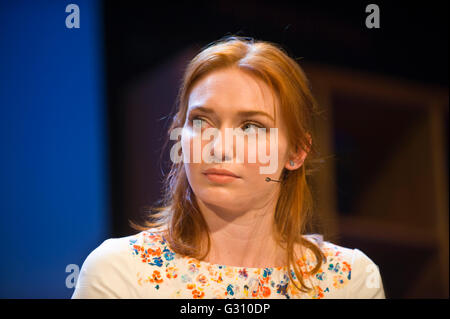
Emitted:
<point x="225" y="229"/>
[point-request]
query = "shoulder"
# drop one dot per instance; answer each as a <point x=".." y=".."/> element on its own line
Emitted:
<point x="348" y="273"/>
<point x="119" y="249"/>
<point x="107" y="271"/>
<point x="366" y="282"/>
<point x="112" y="253"/>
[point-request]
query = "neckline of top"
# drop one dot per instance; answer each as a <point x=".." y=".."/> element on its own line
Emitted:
<point x="207" y="264"/>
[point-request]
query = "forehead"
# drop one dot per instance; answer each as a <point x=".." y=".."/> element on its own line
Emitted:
<point x="233" y="90"/>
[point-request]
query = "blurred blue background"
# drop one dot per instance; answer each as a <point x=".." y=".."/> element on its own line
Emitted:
<point x="53" y="168"/>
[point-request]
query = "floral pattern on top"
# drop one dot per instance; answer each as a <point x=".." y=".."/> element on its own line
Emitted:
<point x="175" y="276"/>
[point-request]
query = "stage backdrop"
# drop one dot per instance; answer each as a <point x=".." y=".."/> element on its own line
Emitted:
<point x="53" y="172"/>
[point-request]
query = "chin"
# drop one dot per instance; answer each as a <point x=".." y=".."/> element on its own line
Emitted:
<point x="217" y="191"/>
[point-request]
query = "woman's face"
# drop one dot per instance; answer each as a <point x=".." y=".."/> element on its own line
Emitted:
<point x="219" y="101"/>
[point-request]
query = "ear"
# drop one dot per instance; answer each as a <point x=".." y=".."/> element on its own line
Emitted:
<point x="297" y="158"/>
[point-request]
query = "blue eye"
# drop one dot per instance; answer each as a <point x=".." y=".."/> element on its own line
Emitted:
<point x="252" y="126"/>
<point x="248" y="127"/>
<point x="196" y="118"/>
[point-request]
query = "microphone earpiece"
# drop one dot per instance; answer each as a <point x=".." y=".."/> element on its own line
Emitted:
<point x="268" y="179"/>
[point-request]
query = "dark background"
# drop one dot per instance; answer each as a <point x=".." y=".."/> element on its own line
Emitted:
<point x="411" y="43"/>
<point x="148" y="44"/>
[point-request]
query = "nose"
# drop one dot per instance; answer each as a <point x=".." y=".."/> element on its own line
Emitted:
<point x="221" y="152"/>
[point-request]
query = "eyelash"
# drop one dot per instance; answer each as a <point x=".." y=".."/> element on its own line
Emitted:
<point x="194" y="117"/>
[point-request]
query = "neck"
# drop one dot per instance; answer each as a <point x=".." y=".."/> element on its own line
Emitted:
<point x="242" y="238"/>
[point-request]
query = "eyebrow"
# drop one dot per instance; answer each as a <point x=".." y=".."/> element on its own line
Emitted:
<point x="240" y="113"/>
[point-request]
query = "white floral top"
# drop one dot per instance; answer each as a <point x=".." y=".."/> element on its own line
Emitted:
<point x="143" y="266"/>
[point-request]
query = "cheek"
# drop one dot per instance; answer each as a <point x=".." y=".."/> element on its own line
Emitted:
<point x="258" y="147"/>
<point x="189" y="139"/>
<point x="272" y="146"/>
<point x="191" y="171"/>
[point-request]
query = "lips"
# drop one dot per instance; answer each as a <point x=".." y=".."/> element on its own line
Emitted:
<point x="220" y="171"/>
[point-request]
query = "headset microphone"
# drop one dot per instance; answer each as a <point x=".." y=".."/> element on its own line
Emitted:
<point x="268" y="179"/>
